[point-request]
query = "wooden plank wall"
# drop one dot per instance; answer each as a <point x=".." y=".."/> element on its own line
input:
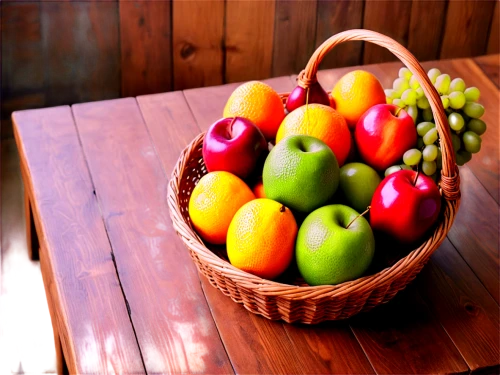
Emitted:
<point x="69" y="52"/>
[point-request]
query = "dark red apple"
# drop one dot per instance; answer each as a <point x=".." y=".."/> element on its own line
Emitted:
<point x="383" y="134"/>
<point x="233" y="144"/>
<point x="298" y="97"/>
<point x="405" y="210"/>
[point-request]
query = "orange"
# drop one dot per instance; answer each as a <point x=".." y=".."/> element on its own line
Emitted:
<point x="355" y="93"/>
<point x="261" y="238"/>
<point x="322" y="122"/>
<point x="259" y="103"/>
<point x="213" y="203"/>
<point x="258" y="189"/>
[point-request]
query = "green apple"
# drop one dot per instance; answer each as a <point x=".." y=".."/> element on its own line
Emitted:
<point x="301" y="172"/>
<point x="334" y="245"/>
<point x="358" y="182"/>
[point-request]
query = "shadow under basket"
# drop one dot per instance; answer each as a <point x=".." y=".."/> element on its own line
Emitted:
<point x="289" y="298"/>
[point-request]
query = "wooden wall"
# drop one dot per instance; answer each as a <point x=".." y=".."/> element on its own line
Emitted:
<point x="66" y="52"/>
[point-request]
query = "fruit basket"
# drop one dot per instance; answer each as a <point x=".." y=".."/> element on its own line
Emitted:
<point x="296" y="301"/>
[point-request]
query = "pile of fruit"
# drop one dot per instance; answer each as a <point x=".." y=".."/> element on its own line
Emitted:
<point x="315" y="185"/>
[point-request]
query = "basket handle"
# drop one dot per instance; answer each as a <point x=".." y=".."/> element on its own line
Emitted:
<point x="450" y="180"/>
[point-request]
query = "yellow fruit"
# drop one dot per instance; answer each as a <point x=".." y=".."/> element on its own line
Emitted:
<point x="322" y="122"/>
<point x="259" y="103"/>
<point x="355" y="93"/>
<point x="261" y="238"/>
<point x="213" y="203"/>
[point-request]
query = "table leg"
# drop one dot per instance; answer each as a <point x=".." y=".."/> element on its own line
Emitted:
<point x="32" y="242"/>
<point x="62" y="368"/>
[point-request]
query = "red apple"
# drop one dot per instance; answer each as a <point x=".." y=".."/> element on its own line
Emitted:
<point x="405" y="210"/>
<point x="383" y="134"/>
<point x="233" y="144"/>
<point x="298" y="97"/>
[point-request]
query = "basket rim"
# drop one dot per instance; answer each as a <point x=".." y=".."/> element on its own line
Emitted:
<point x="416" y="258"/>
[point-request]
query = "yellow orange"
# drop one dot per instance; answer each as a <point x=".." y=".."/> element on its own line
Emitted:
<point x="261" y="238"/>
<point x="322" y="122"/>
<point x="355" y="93"/>
<point x="213" y="203"/>
<point x="259" y="103"/>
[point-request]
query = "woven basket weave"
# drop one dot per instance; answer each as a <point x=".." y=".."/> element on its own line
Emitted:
<point x="297" y="302"/>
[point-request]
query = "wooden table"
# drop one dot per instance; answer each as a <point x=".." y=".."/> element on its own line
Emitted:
<point x="125" y="297"/>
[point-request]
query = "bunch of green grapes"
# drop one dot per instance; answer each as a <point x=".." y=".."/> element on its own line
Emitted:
<point x="461" y="106"/>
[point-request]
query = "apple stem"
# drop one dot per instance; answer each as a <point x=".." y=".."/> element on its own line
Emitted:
<point x="362" y="214"/>
<point x="416" y="177"/>
<point x="282" y="208"/>
<point x="397" y="111"/>
<point x="231" y="126"/>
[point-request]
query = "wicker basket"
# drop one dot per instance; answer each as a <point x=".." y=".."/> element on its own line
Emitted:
<point x="297" y="302"/>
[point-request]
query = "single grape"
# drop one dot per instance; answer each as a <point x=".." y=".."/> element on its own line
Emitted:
<point x="423" y="103"/>
<point x="429" y="167"/>
<point x="388" y="100"/>
<point x="472" y="142"/>
<point x="457" y="143"/>
<point x="433" y="74"/>
<point x="399" y="103"/>
<point x="457" y="99"/>
<point x="405" y="73"/>
<point x="457" y="84"/>
<point x="456" y="121"/>
<point x="420" y="143"/>
<point x="427" y="114"/>
<point x="430" y="153"/>
<point x="400" y="85"/>
<point x="409" y="97"/>
<point x="414" y="84"/>
<point x="412" y="157"/>
<point x="431" y="136"/>
<point x="391" y="170"/>
<point x="391" y="94"/>
<point x="424" y="127"/>
<point x="412" y="110"/>
<point x="420" y="92"/>
<point x="446" y="101"/>
<point x="463" y="157"/>
<point x="472" y="94"/>
<point x="442" y="83"/>
<point x="477" y="126"/>
<point x="474" y="110"/>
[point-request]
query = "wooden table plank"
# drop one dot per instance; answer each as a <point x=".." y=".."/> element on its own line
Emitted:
<point x="490" y="65"/>
<point x="327" y="350"/>
<point x="463" y="306"/>
<point x="172" y="321"/>
<point x="207" y="103"/>
<point x="87" y="306"/>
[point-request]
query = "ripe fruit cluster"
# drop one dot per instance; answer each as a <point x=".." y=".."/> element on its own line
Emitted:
<point x="296" y="184"/>
<point x="464" y="112"/>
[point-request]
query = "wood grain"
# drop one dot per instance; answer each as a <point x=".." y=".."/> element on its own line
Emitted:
<point x="84" y="65"/>
<point x="391" y="18"/>
<point x="294" y="35"/>
<point x="464" y="307"/>
<point x="172" y="321"/>
<point x="22" y="75"/>
<point x="490" y="65"/>
<point x="494" y="37"/>
<point x="146" y="45"/>
<point x="249" y="39"/>
<point x="197" y="44"/>
<point x="426" y="28"/>
<point x="467" y="25"/>
<point x="322" y="349"/>
<point x="89" y="310"/>
<point x="332" y="18"/>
